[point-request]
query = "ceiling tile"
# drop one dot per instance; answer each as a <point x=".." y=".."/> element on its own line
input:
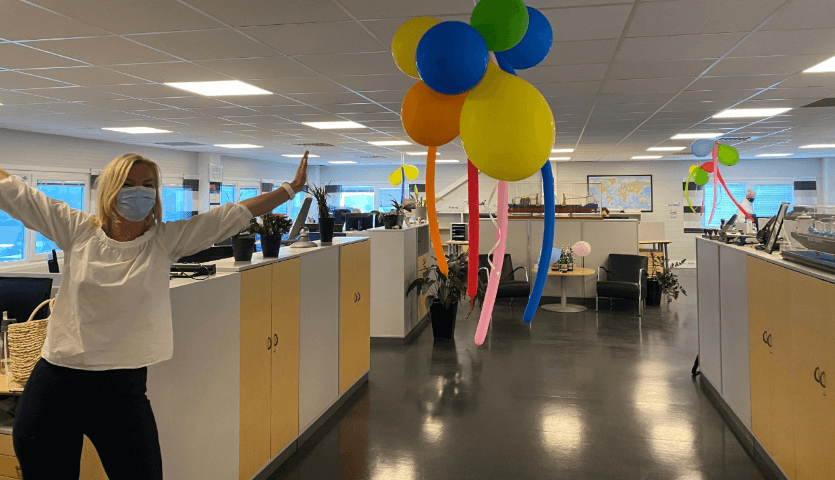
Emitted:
<point x="380" y="96"/>
<point x="681" y="47"/>
<point x="385" y="29"/>
<point x="225" y="111"/>
<point x="743" y="82"/>
<point x="773" y="64"/>
<point x="260" y="100"/>
<point x="803" y="15"/>
<point x="326" y="98"/>
<point x="568" y="89"/>
<point x="270" y="12"/>
<point x="351" y="64"/>
<point x="21" y="21"/>
<point x="170" y="72"/>
<point x="682" y="17"/>
<point x="567" y="73"/>
<point x="332" y="37"/>
<point x="289" y="110"/>
<point x="14" y="80"/>
<point x="811" y="93"/>
<point x="18" y="98"/>
<point x="668" y="69"/>
<point x="74" y="94"/>
<point x="299" y="85"/>
<point x="588" y="23"/>
<point x="646" y="85"/>
<point x="85" y="76"/>
<point x="397" y="81"/>
<point x="356" y="108"/>
<point x="259" y="68"/>
<point x="14" y="57"/>
<point x="589" y="51"/>
<point x="102" y="50"/>
<point x="124" y="105"/>
<point x="191" y="102"/>
<point x="372" y="9"/>
<point x="205" y="44"/>
<point x="788" y="42"/>
<point x="122" y="17"/>
<point x="145" y="90"/>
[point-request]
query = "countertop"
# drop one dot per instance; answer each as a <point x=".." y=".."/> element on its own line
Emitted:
<point x="284" y="253"/>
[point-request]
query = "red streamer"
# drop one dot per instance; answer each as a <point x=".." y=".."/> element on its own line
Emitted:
<point x="472" y="198"/>
<point x="715" y="177"/>
<point x="722" y="181"/>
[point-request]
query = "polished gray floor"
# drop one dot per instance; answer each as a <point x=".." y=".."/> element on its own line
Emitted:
<point x="571" y="396"/>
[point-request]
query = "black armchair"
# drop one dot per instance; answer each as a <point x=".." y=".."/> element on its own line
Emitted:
<point x="509" y="287"/>
<point x="625" y="277"/>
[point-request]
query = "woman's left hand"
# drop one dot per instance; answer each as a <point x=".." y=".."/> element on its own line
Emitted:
<point x="301" y="175"/>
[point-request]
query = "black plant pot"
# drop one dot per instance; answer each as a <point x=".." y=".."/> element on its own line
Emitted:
<point x="443" y="320"/>
<point x="326" y="229"/>
<point x="390" y="221"/>
<point x="242" y="248"/>
<point x="270" y="245"/>
<point x="653" y="292"/>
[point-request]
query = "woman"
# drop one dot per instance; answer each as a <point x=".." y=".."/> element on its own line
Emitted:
<point x="112" y="317"/>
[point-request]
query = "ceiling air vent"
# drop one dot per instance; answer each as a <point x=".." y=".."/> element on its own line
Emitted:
<point x="371" y="156"/>
<point x="313" y="144"/>
<point x="179" y="144"/>
<point x="733" y="139"/>
<point x="684" y="154"/>
<point x="824" y="102"/>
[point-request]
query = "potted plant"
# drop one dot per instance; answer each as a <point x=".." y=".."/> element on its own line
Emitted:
<point x="243" y="244"/>
<point x="443" y="293"/>
<point x="663" y="281"/>
<point x="420" y="206"/>
<point x="271" y="228"/>
<point x="326" y="221"/>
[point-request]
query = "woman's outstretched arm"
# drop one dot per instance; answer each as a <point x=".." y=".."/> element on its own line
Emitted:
<point x="266" y="202"/>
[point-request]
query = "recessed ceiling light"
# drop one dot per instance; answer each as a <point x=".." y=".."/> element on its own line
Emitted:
<point x="665" y="149"/>
<point x="333" y="125"/>
<point x="447" y="161"/>
<point x="295" y="155"/>
<point x="646" y="157"/>
<point x="562" y="150"/>
<point x="238" y="145"/>
<point x="416" y="154"/>
<point x="823" y="67"/>
<point x="819" y="145"/>
<point x="137" y="130"/>
<point x="220" y="89"/>
<point x="774" y="155"/>
<point x="342" y="162"/>
<point x="694" y="136"/>
<point x="751" y="112"/>
<point x="390" y="143"/>
<point x="559" y="159"/>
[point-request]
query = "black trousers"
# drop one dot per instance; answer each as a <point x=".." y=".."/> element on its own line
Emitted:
<point x="59" y="405"/>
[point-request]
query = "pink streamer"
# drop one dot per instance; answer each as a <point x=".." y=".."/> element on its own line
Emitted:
<point x="715" y="179"/>
<point x="495" y="273"/>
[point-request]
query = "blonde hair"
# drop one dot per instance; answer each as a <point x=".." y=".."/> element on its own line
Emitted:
<point x="111" y="181"/>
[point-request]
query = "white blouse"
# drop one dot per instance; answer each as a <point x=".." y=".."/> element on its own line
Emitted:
<point x="113" y="308"/>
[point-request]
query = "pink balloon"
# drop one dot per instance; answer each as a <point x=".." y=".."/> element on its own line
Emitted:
<point x="582" y="248"/>
<point x="498" y="259"/>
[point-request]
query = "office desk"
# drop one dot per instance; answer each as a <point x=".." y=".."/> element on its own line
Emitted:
<point x="455" y="245"/>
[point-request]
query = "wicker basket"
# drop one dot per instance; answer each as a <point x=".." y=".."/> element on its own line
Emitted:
<point x="25" y="342"/>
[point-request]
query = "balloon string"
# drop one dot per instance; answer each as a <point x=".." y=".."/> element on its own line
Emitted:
<point x="722" y="181"/>
<point x="715" y="171"/>
<point x="687" y="190"/>
<point x="473" y="207"/>
<point x="432" y="213"/>
<point x="547" y="243"/>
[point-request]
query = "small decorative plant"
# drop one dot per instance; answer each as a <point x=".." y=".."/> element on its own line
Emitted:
<point x="448" y="289"/>
<point x="419" y="201"/>
<point x="667" y="280"/>
<point x="271" y="224"/>
<point x="321" y="196"/>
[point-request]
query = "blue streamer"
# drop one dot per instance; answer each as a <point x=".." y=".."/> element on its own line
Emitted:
<point x="547" y="243"/>
<point x="403" y="185"/>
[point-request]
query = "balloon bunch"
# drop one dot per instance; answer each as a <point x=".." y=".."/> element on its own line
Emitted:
<point x="468" y="87"/>
<point x="700" y="174"/>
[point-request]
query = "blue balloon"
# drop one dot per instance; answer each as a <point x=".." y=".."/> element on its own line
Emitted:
<point x="702" y="147"/>
<point x="504" y="64"/>
<point x="534" y="46"/>
<point x="451" y="58"/>
<point x="545" y="255"/>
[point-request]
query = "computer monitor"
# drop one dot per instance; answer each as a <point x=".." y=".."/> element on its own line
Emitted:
<point x="339" y="215"/>
<point x="359" y="221"/>
<point x="771" y="242"/>
<point x="19" y="296"/>
<point x="729" y="224"/>
<point x="298" y="224"/>
<point x="762" y="222"/>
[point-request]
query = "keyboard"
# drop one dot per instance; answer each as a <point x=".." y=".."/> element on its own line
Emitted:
<point x="811" y="258"/>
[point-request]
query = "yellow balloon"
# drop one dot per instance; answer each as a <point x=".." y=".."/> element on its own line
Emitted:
<point x="405" y="42"/>
<point x="693" y="167"/>
<point x="396" y="177"/>
<point x="507" y="127"/>
<point x="411" y="171"/>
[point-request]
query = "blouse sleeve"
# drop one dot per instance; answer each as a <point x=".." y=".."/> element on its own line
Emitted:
<point x="52" y="218"/>
<point x="185" y="237"/>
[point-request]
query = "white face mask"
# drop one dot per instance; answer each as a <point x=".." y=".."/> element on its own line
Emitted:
<point x="135" y="203"/>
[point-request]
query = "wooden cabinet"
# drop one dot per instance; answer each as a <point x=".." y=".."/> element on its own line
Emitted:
<point x="423" y="265"/>
<point x="354" y="313"/>
<point x="284" y="405"/>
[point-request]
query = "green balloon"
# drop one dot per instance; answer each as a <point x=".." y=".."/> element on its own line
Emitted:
<point x="727" y="155"/>
<point x="502" y="23"/>
<point x="700" y="177"/>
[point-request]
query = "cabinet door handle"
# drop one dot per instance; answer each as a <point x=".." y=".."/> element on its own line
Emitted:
<point x="275" y="339"/>
<point x="269" y="343"/>
<point x="822" y="380"/>
<point x="768" y="341"/>
<point x="764" y="334"/>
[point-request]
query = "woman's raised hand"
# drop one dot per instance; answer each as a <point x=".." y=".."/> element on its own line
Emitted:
<point x="301" y="174"/>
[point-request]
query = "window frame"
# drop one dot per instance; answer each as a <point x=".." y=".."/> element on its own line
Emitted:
<point x="36" y="176"/>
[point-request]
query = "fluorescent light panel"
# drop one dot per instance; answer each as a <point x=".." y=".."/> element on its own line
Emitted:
<point x="695" y="136"/>
<point x="295" y="155"/>
<point x="342" y="162"/>
<point x="823" y="67"/>
<point x="447" y="161"/>
<point x="220" y="89"/>
<point x="416" y="154"/>
<point x="333" y="125"/>
<point x="562" y="150"/>
<point x="238" y="145"/>
<point x="751" y="112"/>
<point x="137" y="130"/>
<point x="665" y="149"/>
<point x="559" y="158"/>
<point x="819" y="145"/>
<point x="646" y="157"/>
<point x="774" y="155"/>
<point x="389" y="143"/>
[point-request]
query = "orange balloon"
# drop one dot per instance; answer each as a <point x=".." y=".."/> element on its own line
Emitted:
<point x="430" y="118"/>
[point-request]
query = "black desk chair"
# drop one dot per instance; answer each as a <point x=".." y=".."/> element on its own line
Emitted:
<point x="509" y="287"/>
<point x="625" y="277"/>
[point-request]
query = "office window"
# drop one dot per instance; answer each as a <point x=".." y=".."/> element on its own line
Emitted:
<point x="177" y="203"/>
<point x="386" y="195"/>
<point x="356" y="197"/>
<point x="71" y="192"/>
<point x="725" y="208"/>
<point x="12" y="238"/>
<point x="769" y="197"/>
<point x="247" y="192"/>
<point x="227" y="194"/>
<point x="767" y="202"/>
